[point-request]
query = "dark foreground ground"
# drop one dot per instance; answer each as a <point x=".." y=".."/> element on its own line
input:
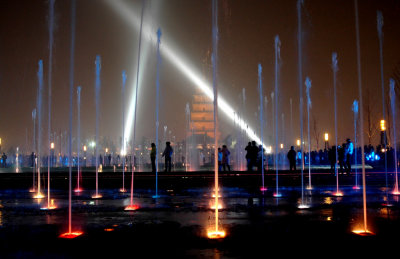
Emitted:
<point x="175" y="225"/>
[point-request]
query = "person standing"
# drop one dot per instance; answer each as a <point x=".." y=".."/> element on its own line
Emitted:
<point x="225" y="158"/>
<point x="153" y="154"/>
<point x="168" y="154"/>
<point x="248" y="157"/>
<point x="291" y="155"/>
<point x="4" y="157"/>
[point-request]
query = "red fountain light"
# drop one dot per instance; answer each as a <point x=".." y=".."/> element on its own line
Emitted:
<point x="277" y="195"/>
<point x="70" y="235"/>
<point x="78" y="190"/>
<point x="356" y="187"/>
<point x="363" y="232"/>
<point x="263" y="189"/>
<point x="132" y="207"/>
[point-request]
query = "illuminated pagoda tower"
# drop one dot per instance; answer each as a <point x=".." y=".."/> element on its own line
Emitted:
<point x="201" y="130"/>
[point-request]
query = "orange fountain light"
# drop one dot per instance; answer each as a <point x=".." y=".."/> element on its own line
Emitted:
<point x="38" y="196"/>
<point x="122" y="190"/>
<point x="216" y="234"/>
<point x="97" y="196"/>
<point x="338" y="194"/>
<point x="219" y="206"/>
<point x="52" y="206"/>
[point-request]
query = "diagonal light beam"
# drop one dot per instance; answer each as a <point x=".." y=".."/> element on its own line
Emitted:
<point x="179" y="62"/>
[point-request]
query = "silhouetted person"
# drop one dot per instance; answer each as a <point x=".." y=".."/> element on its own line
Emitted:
<point x="342" y="157"/>
<point x="291" y="155"/>
<point x="4" y="157"/>
<point x="168" y="154"/>
<point x="260" y="158"/>
<point x="153" y="154"/>
<point x="248" y="156"/>
<point x="109" y="159"/>
<point x="33" y="157"/>
<point x="332" y="158"/>
<point x="225" y="158"/>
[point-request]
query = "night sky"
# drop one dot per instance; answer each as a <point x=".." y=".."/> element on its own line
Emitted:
<point x="247" y="30"/>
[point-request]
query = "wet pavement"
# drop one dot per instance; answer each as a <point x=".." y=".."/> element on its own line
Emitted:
<point x="176" y="223"/>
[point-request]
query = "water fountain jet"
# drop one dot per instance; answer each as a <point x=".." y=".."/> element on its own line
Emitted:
<point x="78" y="188"/>
<point x="335" y="70"/>
<point x="97" y="195"/>
<point x="215" y="233"/>
<point x="133" y="206"/>
<point x="393" y="106"/>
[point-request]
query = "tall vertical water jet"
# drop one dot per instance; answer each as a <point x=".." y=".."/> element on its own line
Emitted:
<point x="300" y="78"/>
<point x="96" y="142"/>
<point x="354" y="108"/>
<point x="335" y="70"/>
<point x="277" y="64"/>
<point x="273" y="123"/>
<point x="308" y="88"/>
<point x="393" y="106"/>
<point x="157" y="103"/>
<point x="78" y="141"/>
<point x="243" y="132"/>
<point x="70" y="233"/>
<point x="364" y="230"/>
<point x="379" y="22"/>
<point x="187" y="133"/>
<point x="51" y="30"/>
<point x="216" y="233"/>
<point x="123" y="147"/>
<point x="260" y="92"/>
<point x="291" y="120"/>
<point x="39" y="194"/>
<point x="132" y="206"/>
<point x="33" y="151"/>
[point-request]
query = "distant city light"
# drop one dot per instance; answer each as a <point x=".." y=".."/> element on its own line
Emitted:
<point x="52" y="145"/>
<point x="298" y="142"/>
<point x="92" y="144"/>
<point x="326" y="136"/>
<point x="84" y="148"/>
<point x="281" y="146"/>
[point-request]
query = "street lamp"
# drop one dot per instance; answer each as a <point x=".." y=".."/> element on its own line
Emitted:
<point x="51" y="153"/>
<point x="298" y="142"/>
<point x="383" y="134"/>
<point x="383" y="125"/>
<point x="326" y="137"/>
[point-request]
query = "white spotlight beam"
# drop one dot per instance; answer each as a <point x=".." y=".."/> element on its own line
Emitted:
<point x="179" y="62"/>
